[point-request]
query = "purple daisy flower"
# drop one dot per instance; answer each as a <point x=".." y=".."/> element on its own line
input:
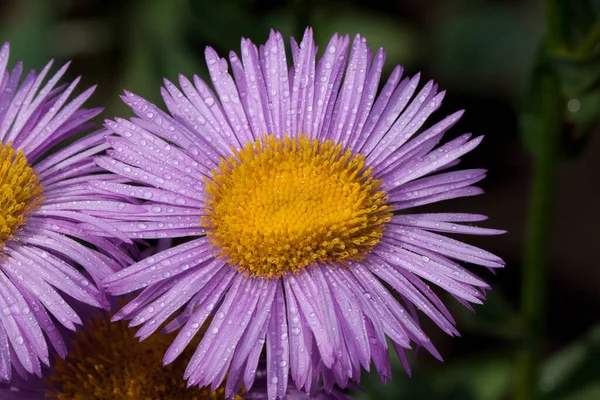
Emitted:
<point x="43" y="208"/>
<point x="107" y="363"/>
<point x="291" y="185"/>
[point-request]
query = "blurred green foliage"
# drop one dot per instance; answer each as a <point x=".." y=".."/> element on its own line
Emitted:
<point x="485" y="48"/>
<point x="133" y="44"/>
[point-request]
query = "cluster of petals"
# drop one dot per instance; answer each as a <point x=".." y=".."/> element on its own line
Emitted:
<point x="53" y="263"/>
<point x="323" y="324"/>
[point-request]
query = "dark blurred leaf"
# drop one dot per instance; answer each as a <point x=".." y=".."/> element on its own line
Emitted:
<point x="166" y="20"/>
<point x="223" y="26"/>
<point x="579" y="82"/>
<point x="26" y="27"/>
<point x="397" y="39"/>
<point x="590" y="392"/>
<point x="486" y="47"/>
<point x="139" y="76"/>
<point x="534" y="122"/>
<point x="486" y="378"/>
<point x="157" y="49"/>
<point x="170" y="51"/>
<point x="578" y="71"/>
<point x="495" y="318"/>
<point x="576" y="19"/>
<point x="574" y="372"/>
<point x="578" y="76"/>
<point x="401" y="387"/>
<point x="579" y="17"/>
<point x="73" y="38"/>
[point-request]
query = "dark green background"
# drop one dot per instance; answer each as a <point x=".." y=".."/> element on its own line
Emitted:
<point x="487" y="55"/>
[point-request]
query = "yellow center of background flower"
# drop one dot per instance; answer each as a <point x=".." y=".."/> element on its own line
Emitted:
<point x="20" y="191"/>
<point x="109" y="363"/>
<point x="278" y="206"/>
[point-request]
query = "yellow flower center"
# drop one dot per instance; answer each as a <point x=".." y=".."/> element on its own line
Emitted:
<point x="279" y="206"/>
<point x="20" y="191"/>
<point x="109" y="363"/>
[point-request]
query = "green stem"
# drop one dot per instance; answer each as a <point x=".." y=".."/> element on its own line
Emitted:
<point x="533" y="289"/>
<point x="536" y="251"/>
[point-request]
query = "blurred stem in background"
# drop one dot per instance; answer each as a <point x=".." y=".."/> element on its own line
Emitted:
<point x="551" y="85"/>
<point x="545" y="157"/>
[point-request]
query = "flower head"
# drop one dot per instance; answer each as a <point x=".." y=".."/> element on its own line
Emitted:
<point x="291" y="184"/>
<point x="45" y="213"/>
<point x="108" y="363"/>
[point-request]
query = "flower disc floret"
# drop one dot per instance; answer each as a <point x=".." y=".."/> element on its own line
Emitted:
<point x="20" y="191"/>
<point x="108" y="363"/>
<point x="280" y="205"/>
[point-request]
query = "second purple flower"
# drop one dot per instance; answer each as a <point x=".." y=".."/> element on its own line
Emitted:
<point x="291" y="184"/>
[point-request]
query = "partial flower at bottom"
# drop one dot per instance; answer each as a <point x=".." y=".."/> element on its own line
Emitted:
<point x="107" y="362"/>
<point x="293" y="186"/>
